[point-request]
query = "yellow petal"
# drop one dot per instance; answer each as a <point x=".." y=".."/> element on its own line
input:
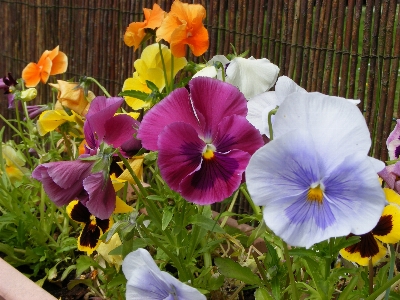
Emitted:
<point x="105" y="248"/>
<point x="393" y="212"/>
<point x="136" y="164"/>
<point x="117" y="182"/>
<point x="121" y="207"/>
<point x="49" y="120"/>
<point x="392" y="196"/>
<point x="364" y="261"/>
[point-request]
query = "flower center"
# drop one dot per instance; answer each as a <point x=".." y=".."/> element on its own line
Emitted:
<point x="316" y="194"/>
<point x="208" y="152"/>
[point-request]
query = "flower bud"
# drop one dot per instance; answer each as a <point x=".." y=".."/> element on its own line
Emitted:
<point x="28" y="94"/>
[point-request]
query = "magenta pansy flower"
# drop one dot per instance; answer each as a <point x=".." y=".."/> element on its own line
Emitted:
<point x="203" y="139"/>
<point x="102" y="125"/>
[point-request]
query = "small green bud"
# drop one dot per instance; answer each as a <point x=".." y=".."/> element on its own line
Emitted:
<point x="28" y="94"/>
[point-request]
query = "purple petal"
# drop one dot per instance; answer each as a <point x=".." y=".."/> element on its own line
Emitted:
<point x="59" y="189"/>
<point x="120" y="129"/>
<point x="217" y="178"/>
<point x="180" y="153"/>
<point x="101" y="195"/>
<point x="104" y="105"/>
<point x="176" y="107"/>
<point x="395" y="134"/>
<point x="101" y="109"/>
<point x="216" y="99"/>
<point x="235" y="132"/>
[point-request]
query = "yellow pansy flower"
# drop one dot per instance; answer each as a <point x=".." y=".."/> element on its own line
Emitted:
<point x="150" y="67"/>
<point x="50" y="120"/>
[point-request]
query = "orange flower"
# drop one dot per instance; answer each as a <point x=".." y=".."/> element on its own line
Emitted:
<point x="135" y="32"/>
<point x="50" y="63"/>
<point x="184" y="26"/>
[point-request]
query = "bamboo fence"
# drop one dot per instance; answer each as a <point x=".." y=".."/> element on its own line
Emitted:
<point x="345" y="48"/>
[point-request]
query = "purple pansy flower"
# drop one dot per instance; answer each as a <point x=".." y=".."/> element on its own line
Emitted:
<point x="147" y="281"/>
<point x="391" y="174"/>
<point x="393" y="142"/>
<point x="315" y="179"/>
<point x="65" y="181"/>
<point x="203" y="139"/>
<point x="5" y="84"/>
<point x="87" y="178"/>
<point x="102" y="125"/>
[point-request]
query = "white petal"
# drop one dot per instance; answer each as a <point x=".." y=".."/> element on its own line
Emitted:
<point x="252" y="76"/>
<point x="256" y="106"/>
<point x="147" y="281"/>
<point x="137" y="259"/>
<point x="286" y="86"/>
<point x="336" y="126"/>
<point x="207" y="72"/>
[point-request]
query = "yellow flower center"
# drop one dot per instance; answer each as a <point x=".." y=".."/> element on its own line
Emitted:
<point x="208" y="152"/>
<point x="315" y="194"/>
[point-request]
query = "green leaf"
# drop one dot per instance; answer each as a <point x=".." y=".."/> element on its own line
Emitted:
<point x="345" y="242"/>
<point x="205" y="223"/>
<point x="313" y="268"/>
<point x="231" y="269"/>
<point x="116" y="251"/>
<point x="156" y="198"/>
<point x="83" y="263"/>
<point x="262" y="294"/>
<point x="167" y="217"/>
<point x="116" y="281"/>
<point x="152" y="86"/>
<point x="135" y="94"/>
<point x="67" y="271"/>
<point x="256" y="233"/>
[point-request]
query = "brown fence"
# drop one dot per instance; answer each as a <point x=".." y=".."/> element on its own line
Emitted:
<point x="347" y="48"/>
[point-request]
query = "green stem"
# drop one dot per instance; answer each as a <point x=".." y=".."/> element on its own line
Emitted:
<point x="383" y="288"/>
<point x="261" y="269"/>
<point x="271" y="132"/>
<point x="100" y="86"/>
<point x="172" y="72"/>
<point x="164" y="69"/>
<point x="295" y="296"/>
<point x="67" y="145"/>
<point x="230" y="208"/>
<point x="255" y="208"/>
<point x="22" y="135"/>
<point x="391" y="268"/>
<point x="371" y="276"/>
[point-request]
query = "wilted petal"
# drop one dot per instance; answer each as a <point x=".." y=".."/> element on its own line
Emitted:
<point x="101" y="193"/>
<point x="62" y="181"/>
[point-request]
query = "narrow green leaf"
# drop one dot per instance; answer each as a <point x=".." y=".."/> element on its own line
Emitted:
<point x="67" y="271"/>
<point x="231" y="269"/>
<point x="262" y="294"/>
<point x="166" y="218"/>
<point x="135" y="94"/>
<point x="152" y="86"/>
<point x="206" y="223"/>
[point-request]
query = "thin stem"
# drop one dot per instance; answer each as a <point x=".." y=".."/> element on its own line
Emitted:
<point x="255" y="208"/>
<point x="230" y="208"/>
<point x="371" y="276"/>
<point x="172" y="72"/>
<point x="391" y="268"/>
<point x="383" y="288"/>
<point x="260" y="269"/>
<point x="164" y="69"/>
<point x="100" y="86"/>
<point x="295" y="296"/>
<point x="271" y="132"/>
